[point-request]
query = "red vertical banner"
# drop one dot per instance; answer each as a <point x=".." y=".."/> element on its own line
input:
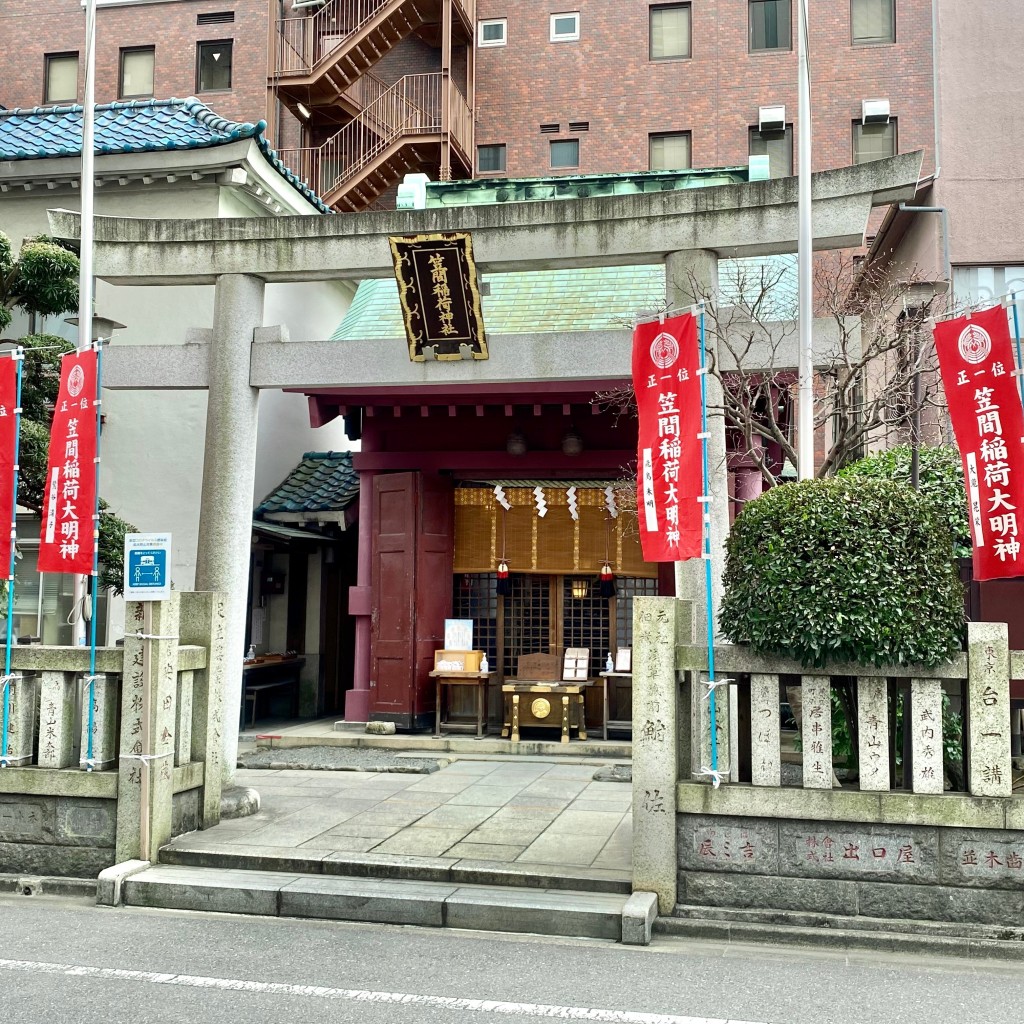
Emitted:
<point x="8" y="442"/>
<point x="669" y="478"/>
<point x="69" y="502"/>
<point x="976" y="361"/>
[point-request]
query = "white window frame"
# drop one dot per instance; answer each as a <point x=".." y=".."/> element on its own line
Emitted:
<point x="481" y="42"/>
<point x="565" y="37"/>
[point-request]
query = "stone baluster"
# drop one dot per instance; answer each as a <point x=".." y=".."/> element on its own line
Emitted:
<point x="22" y="719"/>
<point x="57" y="719"/>
<point x="988" y="709"/>
<point x="816" y="732"/>
<point x="873" y="729"/>
<point x="765" y="755"/>
<point x="923" y="717"/>
<point x="104" y="722"/>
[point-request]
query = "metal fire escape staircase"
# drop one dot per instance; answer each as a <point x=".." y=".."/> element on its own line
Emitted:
<point x="419" y="123"/>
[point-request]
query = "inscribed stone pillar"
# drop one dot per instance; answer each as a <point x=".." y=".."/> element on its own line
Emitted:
<point x="690" y="276"/>
<point x="146" y="770"/>
<point x="655" y="762"/>
<point x="816" y="732"/>
<point x="925" y="713"/>
<point x="202" y="624"/>
<point x="57" y="719"/>
<point x="229" y="466"/>
<point x="700" y="722"/>
<point x="988" y="708"/>
<point x="183" y="726"/>
<point x="103" y="689"/>
<point x="873" y="729"/>
<point x="21" y="719"/>
<point x="765" y="748"/>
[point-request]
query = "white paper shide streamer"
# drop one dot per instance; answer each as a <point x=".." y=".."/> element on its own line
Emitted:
<point x="570" y="495"/>
<point x="609" y="502"/>
<point x="499" y="496"/>
<point x="542" y="505"/>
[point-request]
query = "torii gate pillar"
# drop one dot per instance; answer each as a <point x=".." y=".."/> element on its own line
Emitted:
<point x="229" y="470"/>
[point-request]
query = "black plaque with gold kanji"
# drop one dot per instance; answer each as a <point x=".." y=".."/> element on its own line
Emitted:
<point x="439" y="295"/>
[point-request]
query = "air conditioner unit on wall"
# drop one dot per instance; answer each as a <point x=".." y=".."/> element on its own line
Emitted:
<point x="875" y="111"/>
<point x="771" y="119"/>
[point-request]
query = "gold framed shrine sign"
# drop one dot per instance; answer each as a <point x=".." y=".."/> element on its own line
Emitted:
<point x="440" y="298"/>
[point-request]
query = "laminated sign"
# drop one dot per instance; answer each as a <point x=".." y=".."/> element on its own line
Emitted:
<point x="8" y="443"/>
<point x="667" y="387"/>
<point x="69" y="502"/>
<point x="976" y="360"/>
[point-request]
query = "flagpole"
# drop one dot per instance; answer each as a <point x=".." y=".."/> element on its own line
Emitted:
<point x="85" y="276"/>
<point x="706" y="516"/>
<point x="98" y="404"/>
<point x="1016" y="336"/>
<point x="805" y="255"/>
<point x="19" y="355"/>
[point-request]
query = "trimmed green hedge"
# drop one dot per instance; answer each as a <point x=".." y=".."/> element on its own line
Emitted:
<point x="940" y="480"/>
<point x="843" y="570"/>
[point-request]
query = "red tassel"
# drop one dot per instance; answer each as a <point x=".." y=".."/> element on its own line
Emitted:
<point x="607" y="581"/>
<point x="504" y="587"/>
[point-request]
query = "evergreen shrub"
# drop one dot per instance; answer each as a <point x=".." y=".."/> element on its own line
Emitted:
<point x="843" y="569"/>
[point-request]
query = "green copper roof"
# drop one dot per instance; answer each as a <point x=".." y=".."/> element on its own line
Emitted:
<point x="591" y="299"/>
<point x="477" y="191"/>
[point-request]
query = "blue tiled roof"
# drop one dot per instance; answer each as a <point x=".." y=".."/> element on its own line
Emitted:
<point x="138" y="126"/>
<point x="321" y="482"/>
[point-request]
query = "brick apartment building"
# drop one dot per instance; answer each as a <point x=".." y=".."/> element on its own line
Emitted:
<point x="357" y="93"/>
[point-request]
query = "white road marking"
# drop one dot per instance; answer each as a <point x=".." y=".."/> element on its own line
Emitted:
<point x="359" y="996"/>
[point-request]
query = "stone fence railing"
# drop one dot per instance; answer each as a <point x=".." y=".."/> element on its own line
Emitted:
<point x="699" y="829"/>
<point x="156" y="721"/>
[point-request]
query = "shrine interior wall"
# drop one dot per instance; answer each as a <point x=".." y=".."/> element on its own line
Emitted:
<point x="850" y="868"/>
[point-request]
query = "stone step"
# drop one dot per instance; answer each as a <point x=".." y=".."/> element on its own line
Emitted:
<point x="380" y="901"/>
<point x="203" y="853"/>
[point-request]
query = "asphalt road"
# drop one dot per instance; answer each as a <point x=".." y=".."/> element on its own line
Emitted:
<point x="63" y="961"/>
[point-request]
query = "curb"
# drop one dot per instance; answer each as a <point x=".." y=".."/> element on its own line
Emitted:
<point x="47" y="885"/>
<point x="963" y="947"/>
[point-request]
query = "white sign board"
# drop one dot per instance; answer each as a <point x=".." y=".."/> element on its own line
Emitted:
<point x="458" y="634"/>
<point x="147" y="566"/>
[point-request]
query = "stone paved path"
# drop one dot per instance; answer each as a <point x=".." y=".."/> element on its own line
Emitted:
<point x="509" y="811"/>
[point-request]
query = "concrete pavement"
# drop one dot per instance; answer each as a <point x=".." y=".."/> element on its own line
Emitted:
<point x="518" y="813"/>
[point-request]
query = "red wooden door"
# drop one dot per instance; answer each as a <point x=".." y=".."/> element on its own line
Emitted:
<point x="411" y="583"/>
<point x="392" y="578"/>
<point x="435" y="554"/>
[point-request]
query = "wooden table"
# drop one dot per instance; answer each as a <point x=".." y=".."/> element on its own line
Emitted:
<point x="619" y="724"/>
<point x="272" y="674"/>
<point x="446" y="677"/>
<point x="537" y="711"/>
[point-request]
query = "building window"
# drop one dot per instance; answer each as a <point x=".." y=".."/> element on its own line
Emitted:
<point x="493" y="32"/>
<point x="769" y="25"/>
<point x="873" y="141"/>
<point x="61" y="78"/>
<point x="670" y="32"/>
<point x="670" y="151"/>
<point x="137" y="72"/>
<point x="565" y="27"/>
<point x="565" y="153"/>
<point x="778" y="147"/>
<point x="213" y="66"/>
<point x="490" y="158"/>
<point x="873" y="21"/>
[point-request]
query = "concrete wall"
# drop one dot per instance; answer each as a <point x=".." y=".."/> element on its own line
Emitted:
<point x="917" y="872"/>
<point x="56" y="835"/>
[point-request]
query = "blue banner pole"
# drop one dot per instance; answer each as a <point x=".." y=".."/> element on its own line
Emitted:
<point x="1016" y="335"/>
<point x="706" y="515"/>
<point x="19" y="355"/>
<point x="95" y="561"/>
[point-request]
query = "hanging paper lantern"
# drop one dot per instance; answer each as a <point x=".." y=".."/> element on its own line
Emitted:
<point x="504" y="587"/>
<point x="607" y="584"/>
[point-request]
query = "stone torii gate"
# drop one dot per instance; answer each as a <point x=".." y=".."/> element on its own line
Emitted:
<point x="687" y="230"/>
